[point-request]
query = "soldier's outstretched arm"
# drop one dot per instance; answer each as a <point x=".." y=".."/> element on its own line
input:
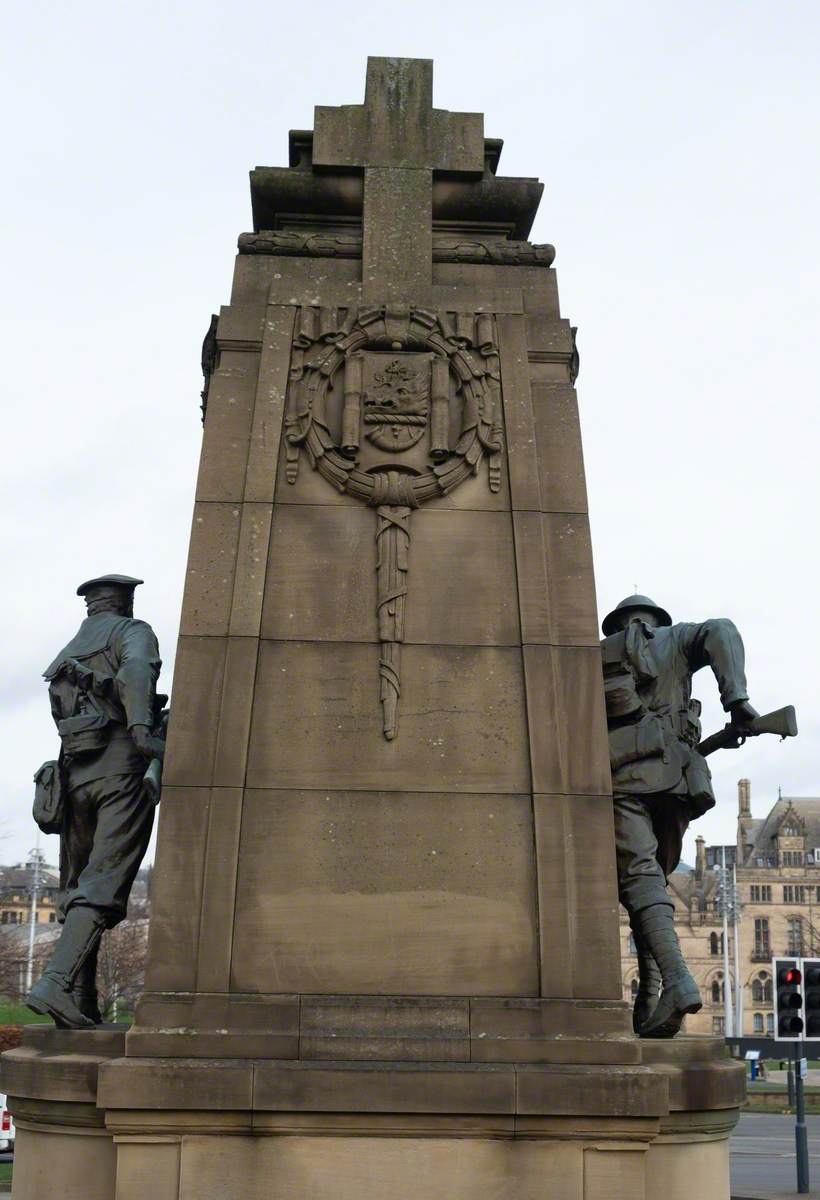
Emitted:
<point x="716" y="643"/>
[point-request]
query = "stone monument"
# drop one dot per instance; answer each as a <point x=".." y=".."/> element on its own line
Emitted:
<point x="384" y="939"/>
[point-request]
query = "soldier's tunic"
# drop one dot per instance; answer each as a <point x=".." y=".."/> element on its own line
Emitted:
<point x="108" y="820"/>
<point x="659" y="780"/>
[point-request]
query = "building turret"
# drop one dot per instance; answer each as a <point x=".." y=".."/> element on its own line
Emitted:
<point x="744" y="820"/>
<point x="700" y="858"/>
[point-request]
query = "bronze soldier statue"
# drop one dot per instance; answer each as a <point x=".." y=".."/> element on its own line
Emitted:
<point x="660" y="782"/>
<point x="102" y="688"/>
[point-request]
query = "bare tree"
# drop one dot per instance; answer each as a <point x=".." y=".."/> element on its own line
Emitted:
<point x="14" y="958"/>
<point x="121" y="967"/>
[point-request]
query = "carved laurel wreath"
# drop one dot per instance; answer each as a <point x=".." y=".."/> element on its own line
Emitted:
<point x="324" y="339"/>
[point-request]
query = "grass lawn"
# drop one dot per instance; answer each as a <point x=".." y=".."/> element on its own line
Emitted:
<point x="5" y="1172"/>
<point x="18" y="1014"/>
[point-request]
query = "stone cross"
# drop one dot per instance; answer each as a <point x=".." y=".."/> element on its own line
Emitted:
<point x="399" y="139"/>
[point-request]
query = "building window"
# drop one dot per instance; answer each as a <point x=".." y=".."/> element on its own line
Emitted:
<point x="762" y="944"/>
<point x="762" y="989"/>
<point x="791" y="858"/>
<point x="715" y="943"/>
<point x="795" y="936"/>
<point x="770" y="1024"/>
<point x="52" y="916"/>
<point x="717" y="990"/>
<point x="794" y="893"/>
<point x="757" y="1026"/>
<point x="632" y="948"/>
<point x="762" y="893"/>
<point x="633" y="987"/>
<point x="718" y="1025"/>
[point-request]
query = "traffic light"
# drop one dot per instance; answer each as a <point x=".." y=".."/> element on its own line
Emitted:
<point x="811" y="986"/>
<point x="789" y="1005"/>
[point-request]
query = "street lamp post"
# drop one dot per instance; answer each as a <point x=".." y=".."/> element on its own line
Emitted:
<point x="32" y="922"/>
<point x="736" y="914"/>
<point x="729" y="905"/>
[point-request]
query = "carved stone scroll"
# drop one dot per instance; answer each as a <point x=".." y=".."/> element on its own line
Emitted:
<point x="446" y="248"/>
<point x="367" y="387"/>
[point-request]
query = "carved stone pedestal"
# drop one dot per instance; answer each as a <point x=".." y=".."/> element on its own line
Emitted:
<point x="94" y="1126"/>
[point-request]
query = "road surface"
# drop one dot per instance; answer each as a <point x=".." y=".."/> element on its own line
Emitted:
<point x="762" y="1150"/>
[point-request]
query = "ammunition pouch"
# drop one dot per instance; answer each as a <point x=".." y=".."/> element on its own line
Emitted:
<point x="698" y="779"/>
<point x="87" y="733"/>
<point x="630" y="743"/>
<point x="49" y="802"/>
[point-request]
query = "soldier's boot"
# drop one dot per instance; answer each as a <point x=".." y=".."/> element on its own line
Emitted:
<point x="649" y="984"/>
<point x="52" y="994"/>
<point x="680" y="995"/>
<point x="85" y="988"/>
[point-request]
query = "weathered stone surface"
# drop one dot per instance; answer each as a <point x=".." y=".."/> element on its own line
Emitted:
<point x="407" y="893"/>
<point x="322" y="580"/>
<point x="316" y="720"/>
<point x="556" y="588"/>
<point x="173" y="940"/>
<point x="577" y="957"/>
<point x="206" y="604"/>
<point x="385" y="1087"/>
<point x="227" y="431"/>
<point x="384" y="1028"/>
<point x="404" y="1168"/>
<point x="218" y="890"/>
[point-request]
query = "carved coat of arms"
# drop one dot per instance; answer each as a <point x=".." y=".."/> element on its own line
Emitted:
<point x="367" y="387"/>
<point x="395" y="399"/>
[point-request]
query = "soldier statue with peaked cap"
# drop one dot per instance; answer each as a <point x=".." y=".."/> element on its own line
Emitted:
<point x="102" y="688"/>
<point x="660" y="782"/>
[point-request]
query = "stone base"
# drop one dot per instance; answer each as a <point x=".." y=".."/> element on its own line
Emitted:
<point x="93" y="1125"/>
<point x="382" y="1028"/>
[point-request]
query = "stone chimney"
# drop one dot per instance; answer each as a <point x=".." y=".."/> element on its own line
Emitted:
<point x="744" y="798"/>
<point x="700" y="858"/>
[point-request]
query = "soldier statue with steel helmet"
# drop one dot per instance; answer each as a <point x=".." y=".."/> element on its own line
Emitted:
<point x="100" y="794"/>
<point x="660" y="781"/>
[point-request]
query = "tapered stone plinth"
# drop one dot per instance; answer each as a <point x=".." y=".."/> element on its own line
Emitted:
<point x="384" y="954"/>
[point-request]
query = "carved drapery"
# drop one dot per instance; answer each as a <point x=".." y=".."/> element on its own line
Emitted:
<point x="391" y="375"/>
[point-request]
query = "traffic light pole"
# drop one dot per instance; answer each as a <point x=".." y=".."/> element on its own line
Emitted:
<point x="801" y="1140"/>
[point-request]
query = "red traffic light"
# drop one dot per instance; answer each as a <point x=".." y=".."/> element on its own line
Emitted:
<point x="791" y="975"/>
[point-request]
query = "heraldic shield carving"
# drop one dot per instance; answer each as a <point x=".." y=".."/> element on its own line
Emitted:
<point x="394" y="406"/>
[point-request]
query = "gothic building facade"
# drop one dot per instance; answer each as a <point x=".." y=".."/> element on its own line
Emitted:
<point x="776" y="862"/>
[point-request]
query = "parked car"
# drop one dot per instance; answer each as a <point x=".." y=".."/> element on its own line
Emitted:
<point x="6" y="1128"/>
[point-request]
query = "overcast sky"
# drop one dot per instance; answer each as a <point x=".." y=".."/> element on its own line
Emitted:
<point x="678" y="145"/>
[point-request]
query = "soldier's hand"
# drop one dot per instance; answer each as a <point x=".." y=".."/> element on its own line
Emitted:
<point x="742" y="712"/>
<point x="143" y="740"/>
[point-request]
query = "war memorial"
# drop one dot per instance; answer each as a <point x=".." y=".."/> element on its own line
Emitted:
<point x="384" y="945"/>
